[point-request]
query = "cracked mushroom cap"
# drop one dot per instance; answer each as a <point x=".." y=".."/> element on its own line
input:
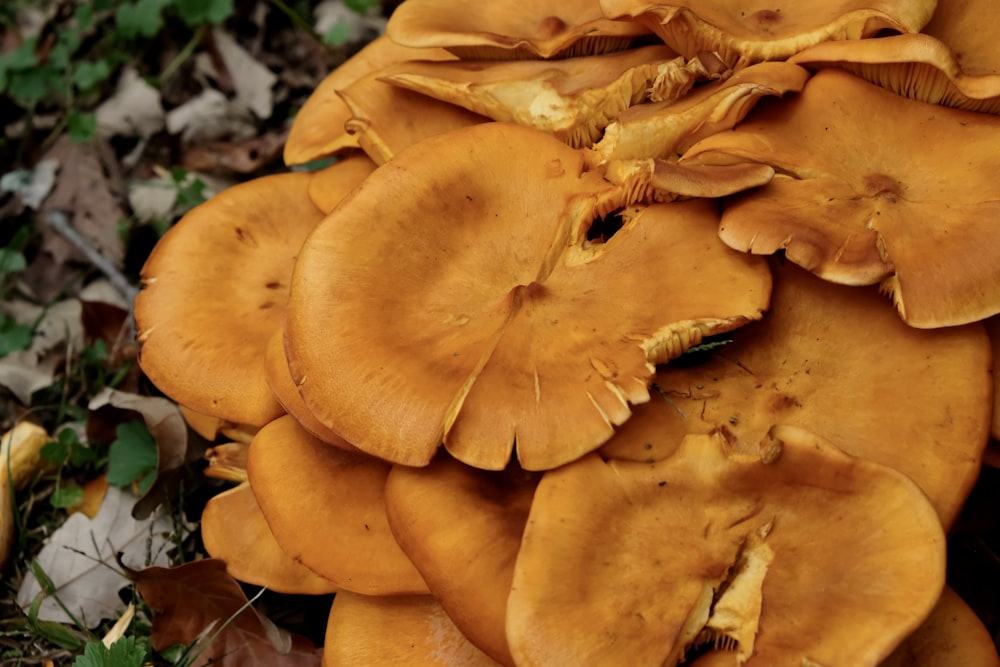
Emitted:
<point x="318" y="128"/>
<point x="667" y="129"/>
<point x="512" y="30"/>
<point x="916" y="400"/>
<point x="496" y="318"/>
<point x="916" y="66"/>
<point x="203" y="319"/>
<point x="914" y="209"/>
<point x="395" y="631"/>
<point x="234" y="529"/>
<point x="326" y="508"/>
<point x="462" y="528"/>
<point x="744" y="32"/>
<point x="628" y="563"/>
<point x="571" y="99"/>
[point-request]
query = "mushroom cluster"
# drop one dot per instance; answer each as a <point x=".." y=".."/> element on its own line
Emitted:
<point x="618" y="332"/>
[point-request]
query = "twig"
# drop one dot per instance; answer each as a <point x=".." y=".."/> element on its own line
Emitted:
<point x="59" y="221"/>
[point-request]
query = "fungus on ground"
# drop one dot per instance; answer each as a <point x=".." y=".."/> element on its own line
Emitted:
<point x="571" y="99"/>
<point x="514" y="30"/>
<point x="518" y="317"/>
<point x="395" y="631"/>
<point x="216" y="286"/>
<point x="448" y="513"/>
<point x="743" y="32"/>
<point x="385" y="119"/>
<point x="916" y="66"/>
<point x="318" y="128"/>
<point x="234" y="530"/>
<point x="914" y="209"/>
<point x="279" y="378"/>
<point x="341" y="498"/>
<point x="666" y="129"/>
<point x="628" y="563"/>
<point x="916" y="400"/>
<point x="204" y="323"/>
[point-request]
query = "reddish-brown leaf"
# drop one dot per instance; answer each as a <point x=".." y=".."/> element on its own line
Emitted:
<point x="189" y="598"/>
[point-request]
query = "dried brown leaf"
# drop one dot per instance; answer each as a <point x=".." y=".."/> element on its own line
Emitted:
<point x="191" y="598"/>
<point x="88" y="189"/>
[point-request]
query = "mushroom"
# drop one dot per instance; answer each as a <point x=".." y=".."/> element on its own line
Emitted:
<point x="800" y="555"/>
<point x="326" y="509"/>
<point x="916" y="66"/>
<point x="518" y="316"/>
<point x="916" y="400"/>
<point x="745" y="32"/>
<point x="234" y="530"/>
<point x="913" y="210"/>
<point x="448" y="513"/>
<point x="666" y="129"/>
<point x="318" y="128"/>
<point x="395" y="631"/>
<point x="514" y="30"/>
<point x="385" y="119"/>
<point x="203" y="323"/>
<point x="572" y="99"/>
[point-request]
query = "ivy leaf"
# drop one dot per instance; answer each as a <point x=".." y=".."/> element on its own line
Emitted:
<point x="82" y="126"/>
<point x="14" y="336"/>
<point x="70" y="495"/>
<point x="125" y="652"/>
<point x="88" y="74"/>
<point x="143" y="17"/>
<point x="200" y="12"/>
<point x="133" y="456"/>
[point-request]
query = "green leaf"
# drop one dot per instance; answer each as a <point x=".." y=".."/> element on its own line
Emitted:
<point x="132" y="455"/>
<point x="361" y="6"/>
<point x="338" y="34"/>
<point x="88" y="74"/>
<point x="32" y="86"/>
<point x="199" y="12"/>
<point x="67" y="496"/>
<point x="14" y="336"/>
<point x="59" y="634"/>
<point x="82" y="126"/>
<point x="12" y="261"/>
<point x="142" y="18"/>
<point x="126" y="652"/>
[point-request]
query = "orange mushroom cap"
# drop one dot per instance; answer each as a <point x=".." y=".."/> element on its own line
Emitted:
<point x="744" y="32"/>
<point x="395" y="631"/>
<point x="802" y="555"/>
<point x="572" y="99"/>
<point x="915" y="400"/>
<point x="326" y="509"/>
<point x="318" y="128"/>
<point x="234" y="530"/>
<point x="462" y="528"/>
<point x="516" y="29"/>
<point x="203" y="316"/>
<point x="484" y="322"/>
<point x="913" y="209"/>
